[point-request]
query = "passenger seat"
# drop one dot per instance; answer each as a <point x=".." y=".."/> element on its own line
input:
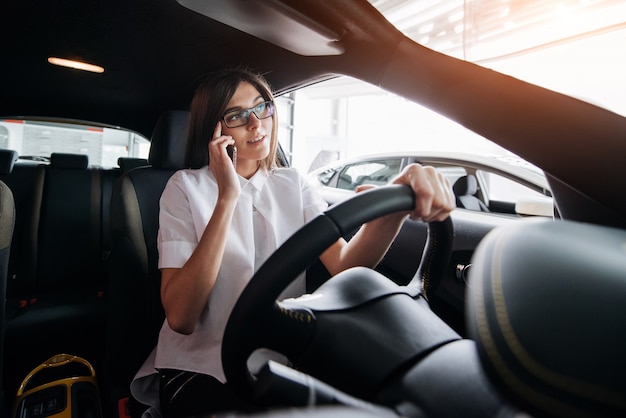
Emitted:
<point x="465" y="189"/>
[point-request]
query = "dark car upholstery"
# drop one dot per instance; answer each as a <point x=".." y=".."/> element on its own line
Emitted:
<point x="58" y="264"/>
<point x="136" y="314"/>
<point x="83" y="253"/>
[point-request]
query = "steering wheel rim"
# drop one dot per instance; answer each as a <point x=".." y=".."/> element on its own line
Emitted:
<point x="250" y="319"/>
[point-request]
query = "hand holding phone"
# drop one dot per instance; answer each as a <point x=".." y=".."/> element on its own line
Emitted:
<point x="232" y="154"/>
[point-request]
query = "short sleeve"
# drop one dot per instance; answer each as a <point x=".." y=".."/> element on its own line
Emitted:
<point x="177" y="238"/>
<point x="312" y="202"/>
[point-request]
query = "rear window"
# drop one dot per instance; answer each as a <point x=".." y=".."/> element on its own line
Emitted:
<point x="36" y="140"/>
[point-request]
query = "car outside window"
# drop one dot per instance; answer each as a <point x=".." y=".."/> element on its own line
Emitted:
<point x="376" y="172"/>
<point x="369" y="172"/>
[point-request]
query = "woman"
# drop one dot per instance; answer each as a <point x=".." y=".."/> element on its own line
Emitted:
<point x="219" y="223"/>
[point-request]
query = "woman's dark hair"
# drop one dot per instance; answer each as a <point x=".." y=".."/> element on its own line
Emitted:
<point x="208" y="107"/>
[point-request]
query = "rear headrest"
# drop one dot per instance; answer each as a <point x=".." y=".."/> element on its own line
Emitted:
<point x="128" y="163"/>
<point x="8" y="157"/>
<point x="466" y="185"/>
<point x="69" y="161"/>
<point x="169" y="140"/>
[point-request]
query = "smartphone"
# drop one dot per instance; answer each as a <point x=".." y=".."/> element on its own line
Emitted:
<point x="232" y="153"/>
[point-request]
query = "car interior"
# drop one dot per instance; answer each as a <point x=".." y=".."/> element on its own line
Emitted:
<point x="480" y="315"/>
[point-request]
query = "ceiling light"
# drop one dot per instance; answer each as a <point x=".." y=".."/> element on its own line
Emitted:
<point x="77" y="65"/>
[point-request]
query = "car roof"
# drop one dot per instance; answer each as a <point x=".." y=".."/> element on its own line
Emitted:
<point x="153" y="53"/>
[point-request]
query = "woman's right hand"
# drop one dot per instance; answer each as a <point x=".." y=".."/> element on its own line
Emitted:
<point x="221" y="165"/>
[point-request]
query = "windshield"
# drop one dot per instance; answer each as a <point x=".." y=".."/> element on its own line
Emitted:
<point x="339" y="126"/>
<point x="570" y="46"/>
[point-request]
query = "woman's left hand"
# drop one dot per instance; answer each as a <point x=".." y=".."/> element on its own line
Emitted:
<point x="434" y="198"/>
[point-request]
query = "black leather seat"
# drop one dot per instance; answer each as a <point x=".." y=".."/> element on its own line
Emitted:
<point x="465" y="189"/>
<point x="55" y="302"/>
<point x="135" y="311"/>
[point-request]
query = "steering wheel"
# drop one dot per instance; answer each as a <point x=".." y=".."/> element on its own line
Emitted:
<point x="257" y="319"/>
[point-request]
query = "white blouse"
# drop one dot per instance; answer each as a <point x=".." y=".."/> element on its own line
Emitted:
<point x="272" y="206"/>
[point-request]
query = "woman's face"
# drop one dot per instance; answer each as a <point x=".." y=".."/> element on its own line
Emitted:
<point x="252" y="139"/>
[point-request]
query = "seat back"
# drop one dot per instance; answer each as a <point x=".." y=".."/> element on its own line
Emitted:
<point x="55" y="301"/>
<point x="135" y="311"/>
<point x="73" y="212"/>
<point x="465" y="189"/>
<point x="7" y="223"/>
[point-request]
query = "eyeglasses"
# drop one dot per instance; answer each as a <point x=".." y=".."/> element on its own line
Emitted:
<point x="237" y="118"/>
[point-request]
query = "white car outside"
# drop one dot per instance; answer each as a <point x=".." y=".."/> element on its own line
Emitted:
<point x="506" y="183"/>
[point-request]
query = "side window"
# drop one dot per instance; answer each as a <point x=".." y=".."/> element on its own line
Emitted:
<point x="502" y="189"/>
<point x="36" y="140"/>
<point x="377" y="172"/>
<point x="4" y="137"/>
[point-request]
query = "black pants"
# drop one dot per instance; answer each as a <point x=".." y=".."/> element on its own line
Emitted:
<point x="185" y="394"/>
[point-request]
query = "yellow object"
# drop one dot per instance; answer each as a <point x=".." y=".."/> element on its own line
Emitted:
<point x="73" y="396"/>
